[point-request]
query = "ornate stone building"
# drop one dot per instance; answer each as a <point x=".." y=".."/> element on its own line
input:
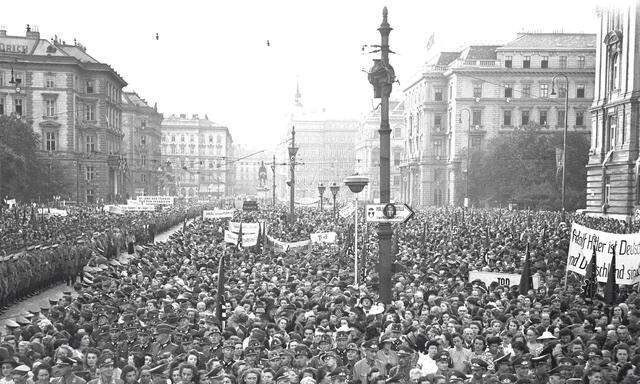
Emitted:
<point x="464" y="99"/>
<point x="613" y="181"/>
<point x="200" y="156"/>
<point x="141" y="126"/>
<point x="74" y="102"/>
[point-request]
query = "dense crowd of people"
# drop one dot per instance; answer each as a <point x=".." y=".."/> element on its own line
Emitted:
<point x="296" y="317"/>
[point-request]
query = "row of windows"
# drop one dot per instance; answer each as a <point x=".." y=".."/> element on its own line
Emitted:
<point x="525" y="90"/>
<point x="192" y="139"/>
<point x="182" y="150"/>
<point x="544" y="62"/>
<point x="18" y="106"/>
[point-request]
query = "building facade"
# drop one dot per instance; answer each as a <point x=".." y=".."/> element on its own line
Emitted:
<point x="368" y="151"/>
<point x="464" y="99"/>
<point x="141" y="127"/>
<point x="199" y="155"/>
<point x="613" y="180"/>
<point x="74" y="103"/>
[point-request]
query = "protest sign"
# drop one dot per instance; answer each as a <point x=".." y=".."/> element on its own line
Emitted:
<point x="627" y="248"/>
<point x="156" y="200"/>
<point x="503" y="279"/>
<point x="218" y="214"/>
<point x="249" y="239"/>
<point x="115" y="209"/>
<point x="282" y="246"/>
<point x="347" y="210"/>
<point x="230" y="237"/>
<point x="246" y="227"/>
<point x="324" y="237"/>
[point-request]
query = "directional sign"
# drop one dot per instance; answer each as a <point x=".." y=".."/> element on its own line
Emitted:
<point x="388" y="213"/>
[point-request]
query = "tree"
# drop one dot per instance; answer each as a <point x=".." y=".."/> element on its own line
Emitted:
<point x="520" y="167"/>
<point x="23" y="174"/>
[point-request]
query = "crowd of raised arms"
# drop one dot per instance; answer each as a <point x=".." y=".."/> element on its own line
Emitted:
<point x="149" y="313"/>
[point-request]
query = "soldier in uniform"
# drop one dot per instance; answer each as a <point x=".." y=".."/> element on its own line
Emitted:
<point x="62" y="372"/>
<point x="228" y="347"/>
<point x="163" y="341"/>
<point x="400" y="372"/>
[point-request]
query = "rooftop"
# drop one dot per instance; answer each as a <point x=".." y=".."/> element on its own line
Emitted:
<point x="551" y="41"/>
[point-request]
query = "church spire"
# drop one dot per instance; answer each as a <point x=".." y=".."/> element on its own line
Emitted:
<point x="298" y="99"/>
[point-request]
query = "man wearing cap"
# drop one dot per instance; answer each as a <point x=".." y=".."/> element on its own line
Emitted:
<point x="478" y="369"/>
<point x="401" y="371"/>
<point x="362" y="368"/>
<point x="62" y="372"/>
<point x="106" y="371"/>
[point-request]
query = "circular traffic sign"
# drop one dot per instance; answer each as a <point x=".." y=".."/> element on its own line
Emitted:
<point x="389" y="211"/>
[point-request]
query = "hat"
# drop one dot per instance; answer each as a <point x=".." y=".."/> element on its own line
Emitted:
<point x="546" y="335"/>
<point x="508" y="378"/>
<point x="63" y="360"/>
<point x="370" y="344"/>
<point x="457" y="376"/>
<point x="352" y="347"/>
<point x="404" y="351"/>
<point x="21" y="370"/>
<point x="163" y="328"/>
<point x="443" y="356"/>
<point x="478" y="363"/>
<point x="540" y="359"/>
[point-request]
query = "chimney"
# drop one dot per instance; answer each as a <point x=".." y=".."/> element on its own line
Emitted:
<point x="3" y="31"/>
<point x="194" y="116"/>
<point x="183" y="115"/>
<point x="32" y="32"/>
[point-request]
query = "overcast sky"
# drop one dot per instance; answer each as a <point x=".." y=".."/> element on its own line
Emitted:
<point x="212" y="56"/>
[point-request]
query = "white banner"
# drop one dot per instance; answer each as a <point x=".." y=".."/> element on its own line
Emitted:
<point x="218" y="214"/>
<point x="281" y="246"/>
<point x="249" y="239"/>
<point x="347" y="210"/>
<point x="627" y="247"/>
<point x="234" y="226"/>
<point x="324" y="237"/>
<point x="156" y="200"/>
<point x="246" y="227"/>
<point x="230" y="237"/>
<point x="503" y="279"/>
<point x="52" y="212"/>
<point x="138" y="208"/>
<point x="114" y="209"/>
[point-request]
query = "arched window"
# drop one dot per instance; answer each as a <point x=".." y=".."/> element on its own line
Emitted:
<point x="614" y="74"/>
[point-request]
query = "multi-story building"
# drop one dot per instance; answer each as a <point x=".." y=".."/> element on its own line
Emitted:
<point x="141" y="126"/>
<point x="325" y="152"/>
<point x="74" y="103"/>
<point x="199" y="154"/>
<point x="368" y="151"/>
<point x="613" y="171"/>
<point x="464" y="99"/>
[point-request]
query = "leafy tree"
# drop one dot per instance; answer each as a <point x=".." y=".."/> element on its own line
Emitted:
<point x="520" y="167"/>
<point x="23" y="174"/>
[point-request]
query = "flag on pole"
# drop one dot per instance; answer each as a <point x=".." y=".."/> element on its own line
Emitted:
<point x="430" y="41"/>
<point x="526" y="282"/>
<point x="590" y="286"/>
<point x="610" y="288"/>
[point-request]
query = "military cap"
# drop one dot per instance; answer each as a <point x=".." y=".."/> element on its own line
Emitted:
<point x="494" y="340"/>
<point x="457" y="377"/>
<point x="325" y="339"/>
<point x="478" y="363"/>
<point x="63" y="360"/>
<point x="22" y="321"/>
<point x="443" y="356"/>
<point x="566" y="361"/>
<point x="574" y="380"/>
<point x="352" y="347"/>
<point x="21" y="370"/>
<point x="396" y="327"/>
<point x="541" y="359"/>
<point x="251" y="351"/>
<point x="328" y="354"/>
<point x="163" y="328"/>
<point x="592" y="352"/>
<point x="53" y="302"/>
<point x="282" y="378"/>
<point x="508" y="378"/>
<point x="404" y="351"/>
<point x="520" y="363"/>
<point x="370" y="344"/>
<point x="12" y="324"/>
<point x="229" y="344"/>
<point x="301" y="350"/>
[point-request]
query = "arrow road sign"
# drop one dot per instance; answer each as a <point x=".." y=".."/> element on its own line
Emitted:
<point x="389" y="213"/>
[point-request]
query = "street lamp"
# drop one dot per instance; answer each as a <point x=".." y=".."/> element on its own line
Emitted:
<point x="466" y="182"/>
<point x="356" y="184"/>
<point x="564" y="135"/>
<point x="14" y="81"/>
<point x="293" y="150"/>
<point x="321" y="189"/>
<point x="334" y="188"/>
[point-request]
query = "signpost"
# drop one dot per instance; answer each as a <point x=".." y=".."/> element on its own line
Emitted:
<point x="389" y="213"/>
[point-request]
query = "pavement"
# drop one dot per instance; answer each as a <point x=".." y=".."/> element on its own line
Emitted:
<point x="42" y="299"/>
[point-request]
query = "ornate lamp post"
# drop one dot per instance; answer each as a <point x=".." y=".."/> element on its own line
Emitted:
<point x="356" y="184"/>
<point x="321" y="189"/>
<point x="334" y="188"/>
<point x="293" y="150"/>
<point x="564" y="135"/>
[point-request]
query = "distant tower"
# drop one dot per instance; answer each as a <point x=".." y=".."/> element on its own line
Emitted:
<point x="298" y="99"/>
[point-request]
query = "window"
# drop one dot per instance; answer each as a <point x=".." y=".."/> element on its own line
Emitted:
<point x="526" y="63"/>
<point x="580" y="91"/>
<point x="506" y="118"/>
<point x="476" y="142"/>
<point x="526" y="91"/>
<point x="2" y="102"/>
<point x="192" y="138"/>
<point x="173" y="149"/>
<point x="560" y="118"/>
<point x="50" y="141"/>
<point x="580" y="119"/>
<point x="397" y="157"/>
<point x="437" y="148"/>
<point x="606" y="193"/>
<point x="563" y="61"/>
<point x="477" y="118"/>
<point x="91" y="86"/>
<point x="143" y="160"/>
<point x="614" y="72"/>
<point x="437" y="94"/>
<point x="173" y="139"/>
<point x="210" y="139"/>
<point x="49" y="81"/>
<point x="396" y="180"/>
<point x="50" y="107"/>
<point x="143" y="139"/>
<point x="90" y="112"/>
<point x="219" y="139"/>
<point x="508" y="90"/>
<point x="437" y="122"/>
<point x="1" y="79"/>
<point x="17" y="108"/>
<point x="182" y="138"/>
<point x="544" y="90"/>
<point x="143" y="124"/>
<point x="508" y="61"/>
<point x="90" y="173"/>
<point x="581" y="62"/>
<point x="612" y="125"/>
<point x="477" y="89"/>
<point x="543" y="118"/>
<point x="544" y="63"/>
<point x="525" y="117"/>
<point x="91" y="143"/>
<point x="397" y="132"/>
<point x="90" y="196"/>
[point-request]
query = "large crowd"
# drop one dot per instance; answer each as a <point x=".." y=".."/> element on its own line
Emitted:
<point x="296" y="317"/>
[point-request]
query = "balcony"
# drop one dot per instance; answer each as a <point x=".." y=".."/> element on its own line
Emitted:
<point x="477" y="64"/>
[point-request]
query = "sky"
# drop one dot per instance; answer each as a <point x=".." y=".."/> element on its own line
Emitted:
<point x="212" y="56"/>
